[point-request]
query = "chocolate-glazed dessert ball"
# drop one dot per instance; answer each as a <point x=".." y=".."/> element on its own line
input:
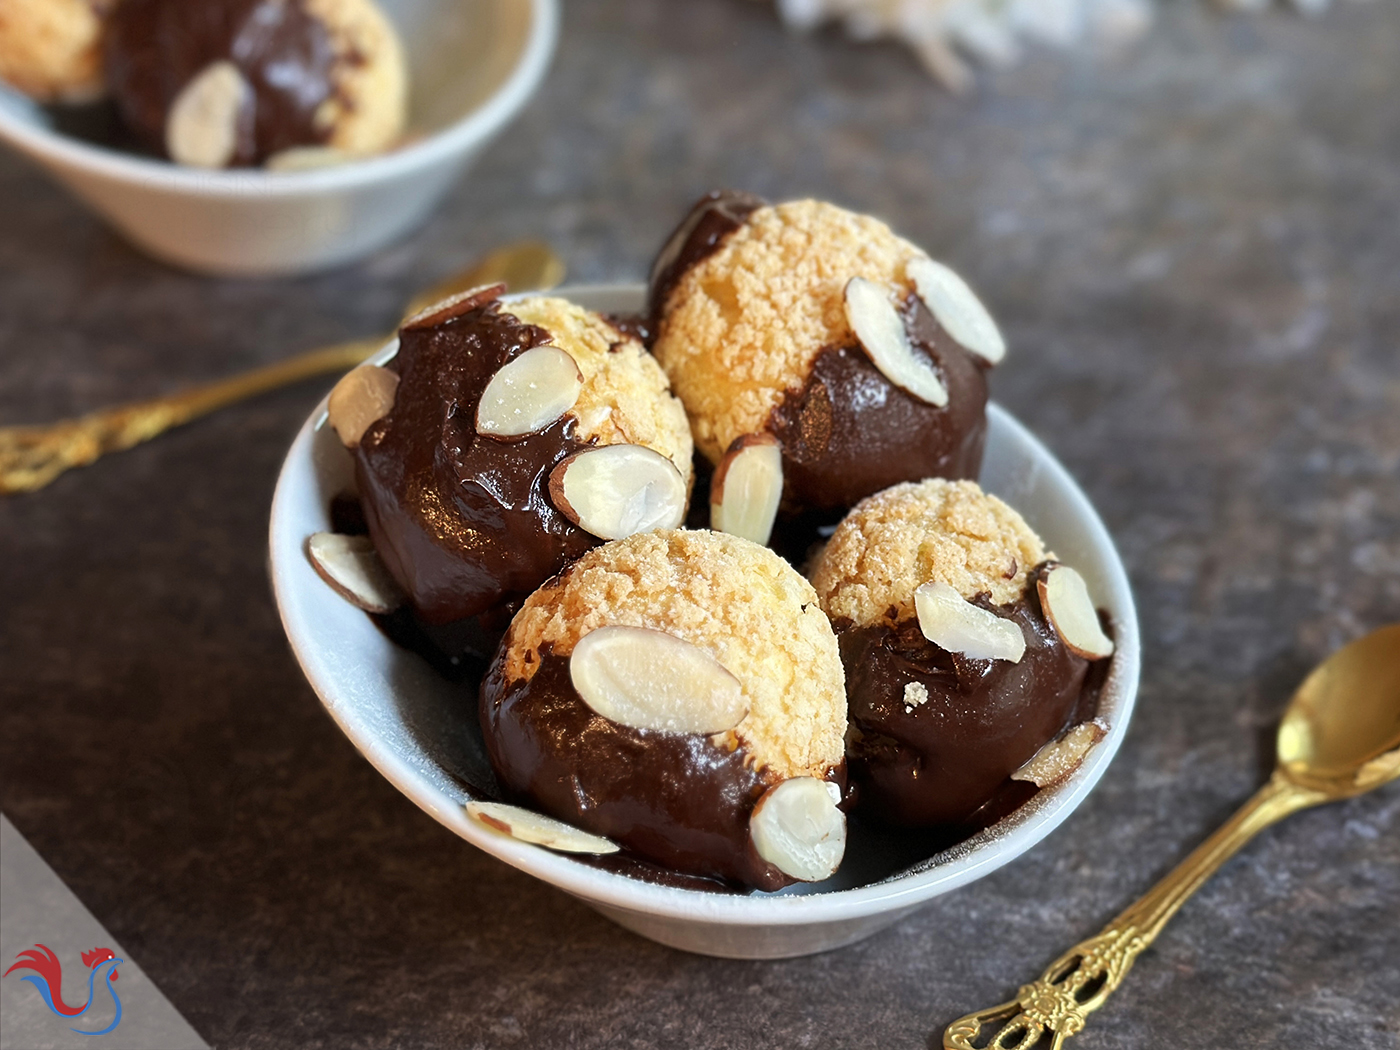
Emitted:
<point x="52" y="49"/>
<point x="235" y="83"/>
<point x="680" y="693"/>
<point x="864" y="358"/>
<point x="956" y="671"/>
<point x="503" y="440"/>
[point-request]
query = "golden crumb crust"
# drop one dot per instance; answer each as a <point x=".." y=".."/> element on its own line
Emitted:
<point x="905" y="536"/>
<point x="626" y="398"/>
<point x="52" y="49"/>
<point x="367" y="112"/>
<point x="738" y="601"/>
<point x="743" y="326"/>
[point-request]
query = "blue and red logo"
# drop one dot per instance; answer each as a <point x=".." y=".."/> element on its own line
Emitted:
<point x="49" y="981"/>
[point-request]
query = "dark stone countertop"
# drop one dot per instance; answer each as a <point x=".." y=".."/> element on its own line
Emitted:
<point x="1195" y="252"/>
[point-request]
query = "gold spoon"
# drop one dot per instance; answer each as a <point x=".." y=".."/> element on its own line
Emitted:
<point x="1340" y="737"/>
<point x="32" y="456"/>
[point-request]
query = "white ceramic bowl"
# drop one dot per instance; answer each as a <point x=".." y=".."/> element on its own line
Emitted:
<point x="473" y="64"/>
<point x="419" y="732"/>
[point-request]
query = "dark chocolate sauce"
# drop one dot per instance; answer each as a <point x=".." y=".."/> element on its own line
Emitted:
<point x="942" y="761"/>
<point x="850" y="432"/>
<point x="673" y="798"/>
<point x="464" y="522"/>
<point x="347" y="516"/>
<point x="154" y="48"/>
<point x="637" y="326"/>
<point x="700" y="234"/>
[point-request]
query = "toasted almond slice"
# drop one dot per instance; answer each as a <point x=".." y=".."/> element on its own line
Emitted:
<point x="453" y="306"/>
<point x="363" y="396"/>
<point x="307" y="158"/>
<point x="353" y="569"/>
<point x="877" y="324"/>
<point x="652" y="680"/>
<point x="201" y="128"/>
<point x="529" y="826"/>
<point x="617" y="490"/>
<point x="529" y="393"/>
<point x="949" y="620"/>
<point x="797" y="828"/>
<point x="957" y="308"/>
<point x="1054" y="762"/>
<point x="747" y="488"/>
<point x="1064" y="598"/>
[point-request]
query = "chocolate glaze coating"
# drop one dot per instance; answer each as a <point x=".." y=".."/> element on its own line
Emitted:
<point x="153" y="48"/>
<point x="674" y="798"/>
<point x="941" y="761"/>
<point x="850" y="432"/>
<point x="700" y="234"/>
<point x="464" y="522"/>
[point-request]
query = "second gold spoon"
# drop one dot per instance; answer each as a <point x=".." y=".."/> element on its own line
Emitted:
<point x="1340" y="737"/>
<point x="32" y="456"/>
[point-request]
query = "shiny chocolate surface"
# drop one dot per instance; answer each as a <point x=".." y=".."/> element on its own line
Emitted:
<point x="463" y="521"/>
<point x="154" y="48"/>
<point x="674" y="798"/>
<point x="938" y="762"/>
<point x="850" y="432"/>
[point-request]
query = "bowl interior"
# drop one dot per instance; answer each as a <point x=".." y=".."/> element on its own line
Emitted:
<point x="422" y="732"/>
<point x="459" y="53"/>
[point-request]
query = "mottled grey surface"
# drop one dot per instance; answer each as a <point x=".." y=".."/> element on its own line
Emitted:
<point x="1195" y="252"/>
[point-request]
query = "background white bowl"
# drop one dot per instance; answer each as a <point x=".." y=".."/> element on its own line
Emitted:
<point x="473" y="64"/>
<point x="422" y="734"/>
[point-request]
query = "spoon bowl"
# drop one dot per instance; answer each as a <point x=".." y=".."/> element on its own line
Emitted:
<point x="1340" y="737"/>
<point x="1344" y="719"/>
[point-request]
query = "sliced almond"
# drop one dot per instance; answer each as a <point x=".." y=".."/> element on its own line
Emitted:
<point x="529" y="393"/>
<point x="529" y="826"/>
<point x="951" y="621"/>
<point x="1054" y="762"/>
<point x="797" y="828"/>
<point x="652" y="680"/>
<point x="618" y="490"/>
<point x="453" y="306"/>
<point x="957" y="308"/>
<point x="1064" y="598"/>
<point x="363" y="396"/>
<point x="353" y="569"/>
<point x="307" y="158"/>
<point x="876" y="323"/>
<point x="201" y="128"/>
<point x="747" y="488"/>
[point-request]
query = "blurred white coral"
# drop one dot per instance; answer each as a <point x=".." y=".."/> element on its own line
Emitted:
<point x="941" y="32"/>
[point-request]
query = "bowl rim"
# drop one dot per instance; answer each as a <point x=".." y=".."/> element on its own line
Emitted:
<point x="475" y="126"/>
<point x="967" y="861"/>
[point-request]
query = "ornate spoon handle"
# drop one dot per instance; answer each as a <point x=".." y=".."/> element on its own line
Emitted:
<point x="1079" y="981"/>
<point x="31" y="457"/>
